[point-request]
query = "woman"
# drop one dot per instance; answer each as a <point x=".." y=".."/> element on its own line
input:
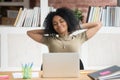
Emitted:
<point x="58" y="27"/>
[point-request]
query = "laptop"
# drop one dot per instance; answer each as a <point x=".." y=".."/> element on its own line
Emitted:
<point x="61" y="65"/>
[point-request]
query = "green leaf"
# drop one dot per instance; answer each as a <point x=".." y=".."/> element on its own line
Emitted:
<point x="78" y="14"/>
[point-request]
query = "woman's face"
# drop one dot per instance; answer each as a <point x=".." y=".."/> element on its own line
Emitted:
<point x="60" y="25"/>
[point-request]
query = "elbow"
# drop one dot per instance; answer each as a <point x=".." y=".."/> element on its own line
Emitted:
<point x="28" y="33"/>
<point x="99" y="25"/>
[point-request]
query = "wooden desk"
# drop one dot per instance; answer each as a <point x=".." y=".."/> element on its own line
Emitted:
<point x="83" y="76"/>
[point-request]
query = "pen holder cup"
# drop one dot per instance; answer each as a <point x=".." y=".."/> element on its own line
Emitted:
<point x="27" y="73"/>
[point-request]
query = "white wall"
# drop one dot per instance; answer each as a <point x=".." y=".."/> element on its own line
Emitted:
<point x="103" y="51"/>
<point x="22" y="49"/>
<point x="17" y="48"/>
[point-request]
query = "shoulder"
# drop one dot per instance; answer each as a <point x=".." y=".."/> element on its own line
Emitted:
<point x="47" y="38"/>
<point x="81" y="35"/>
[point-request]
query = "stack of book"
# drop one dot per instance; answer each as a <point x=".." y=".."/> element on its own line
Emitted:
<point x="28" y="17"/>
<point x="94" y="14"/>
<point x="109" y="73"/>
<point x="108" y="15"/>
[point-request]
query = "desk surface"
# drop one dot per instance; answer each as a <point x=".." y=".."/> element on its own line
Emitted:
<point x="83" y="76"/>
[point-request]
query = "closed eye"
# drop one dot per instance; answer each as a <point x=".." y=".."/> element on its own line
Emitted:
<point x="55" y="23"/>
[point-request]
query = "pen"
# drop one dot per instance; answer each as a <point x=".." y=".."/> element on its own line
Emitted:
<point x="31" y="65"/>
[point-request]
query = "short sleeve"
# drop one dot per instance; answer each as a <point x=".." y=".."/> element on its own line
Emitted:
<point x="82" y="37"/>
<point x="45" y="40"/>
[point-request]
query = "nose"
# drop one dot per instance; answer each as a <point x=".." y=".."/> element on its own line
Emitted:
<point x="59" y="24"/>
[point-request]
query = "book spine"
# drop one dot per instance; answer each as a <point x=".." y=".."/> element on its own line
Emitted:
<point x="18" y="16"/>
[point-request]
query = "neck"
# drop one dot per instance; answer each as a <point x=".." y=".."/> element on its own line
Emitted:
<point x="63" y="35"/>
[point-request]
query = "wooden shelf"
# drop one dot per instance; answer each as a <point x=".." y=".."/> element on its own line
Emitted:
<point x="25" y="3"/>
<point x="11" y="3"/>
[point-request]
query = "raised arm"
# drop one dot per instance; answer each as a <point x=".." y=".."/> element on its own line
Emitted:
<point x="36" y="34"/>
<point x="92" y="28"/>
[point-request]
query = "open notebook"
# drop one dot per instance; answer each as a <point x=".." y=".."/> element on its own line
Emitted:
<point x="61" y="65"/>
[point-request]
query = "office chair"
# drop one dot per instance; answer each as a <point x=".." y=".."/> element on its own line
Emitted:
<point x="81" y="65"/>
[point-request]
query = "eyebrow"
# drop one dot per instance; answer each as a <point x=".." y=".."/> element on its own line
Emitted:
<point x="59" y="20"/>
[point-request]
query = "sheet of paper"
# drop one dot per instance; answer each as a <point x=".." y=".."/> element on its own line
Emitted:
<point x="19" y="74"/>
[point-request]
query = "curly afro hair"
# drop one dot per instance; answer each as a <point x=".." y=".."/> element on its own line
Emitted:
<point x="67" y="14"/>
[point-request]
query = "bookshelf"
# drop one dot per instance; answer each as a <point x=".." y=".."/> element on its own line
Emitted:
<point x="9" y="10"/>
<point x="41" y="12"/>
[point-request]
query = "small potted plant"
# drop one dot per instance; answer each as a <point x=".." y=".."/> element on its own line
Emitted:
<point x="78" y="14"/>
